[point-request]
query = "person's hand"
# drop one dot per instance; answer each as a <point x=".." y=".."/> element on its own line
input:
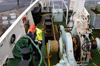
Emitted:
<point x="25" y="36"/>
<point x="38" y="46"/>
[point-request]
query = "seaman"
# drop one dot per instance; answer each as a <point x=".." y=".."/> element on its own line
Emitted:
<point x="36" y="36"/>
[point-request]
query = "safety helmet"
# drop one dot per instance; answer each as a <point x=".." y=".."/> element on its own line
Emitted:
<point x="32" y="28"/>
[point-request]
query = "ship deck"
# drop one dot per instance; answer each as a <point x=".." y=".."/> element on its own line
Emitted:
<point x="54" y="59"/>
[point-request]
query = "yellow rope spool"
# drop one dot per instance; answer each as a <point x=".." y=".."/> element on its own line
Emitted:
<point x="53" y="46"/>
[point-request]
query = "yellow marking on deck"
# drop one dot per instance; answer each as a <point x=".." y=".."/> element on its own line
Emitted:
<point x="99" y="10"/>
<point x="94" y="64"/>
<point x="92" y="37"/>
<point x="99" y="52"/>
<point x="56" y="28"/>
<point x="44" y="15"/>
<point x="43" y="23"/>
<point x="48" y="54"/>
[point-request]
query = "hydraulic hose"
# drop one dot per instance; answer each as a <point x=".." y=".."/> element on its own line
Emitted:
<point x="35" y="46"/>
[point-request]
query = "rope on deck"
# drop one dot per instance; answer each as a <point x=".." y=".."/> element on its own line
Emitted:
<point x="53" y="29"/>
<point x="23" y="43"/>
<point x="46" y="58"/>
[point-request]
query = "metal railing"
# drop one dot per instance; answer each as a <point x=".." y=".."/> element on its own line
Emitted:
<point x="17" y="28"/>
<point x="92" y="1"/>
<point x="63" y="2"/>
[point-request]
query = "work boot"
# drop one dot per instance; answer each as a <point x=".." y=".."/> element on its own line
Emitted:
<point x="37" y="59"/>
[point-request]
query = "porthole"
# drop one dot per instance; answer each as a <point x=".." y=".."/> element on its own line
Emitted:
<point x="13" y="38"/>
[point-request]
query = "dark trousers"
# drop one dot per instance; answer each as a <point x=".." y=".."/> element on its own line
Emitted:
<point x="34" y="48"/>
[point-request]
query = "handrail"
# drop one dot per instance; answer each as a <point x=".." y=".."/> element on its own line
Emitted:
<point x="16" y="21"/>
<point x="17" y="28"/>
<point x="66" y="11"/>
<point x="92" y="0"/>
<point x="62" y="6"/>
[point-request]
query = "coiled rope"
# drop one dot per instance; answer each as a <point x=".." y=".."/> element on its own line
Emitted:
<point x="24" y="43"/>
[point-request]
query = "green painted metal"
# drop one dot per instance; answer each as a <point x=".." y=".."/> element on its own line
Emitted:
<point x="95" y="55"/>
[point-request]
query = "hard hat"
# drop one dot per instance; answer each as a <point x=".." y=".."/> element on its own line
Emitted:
<point x="32" y="28"/>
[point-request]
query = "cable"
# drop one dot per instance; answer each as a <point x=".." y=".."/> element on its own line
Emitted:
<point x="24" y="43"/>
<point x="19" y="45"/>
<point x="46" y="58"/>
<point x="36" y="47"/>
<point x="28" y="60"/>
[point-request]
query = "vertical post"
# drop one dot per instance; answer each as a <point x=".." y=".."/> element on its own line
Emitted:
<point x="66" y="11"/>
<point x="17" y="2"/>
<point x="53" y="4"/>
<point x="31" y="20"/>
<point x="62" y="3"/>
<point x="49" y="2"/>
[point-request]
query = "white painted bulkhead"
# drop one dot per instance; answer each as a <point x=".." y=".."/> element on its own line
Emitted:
<point x="16" y="28"/>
